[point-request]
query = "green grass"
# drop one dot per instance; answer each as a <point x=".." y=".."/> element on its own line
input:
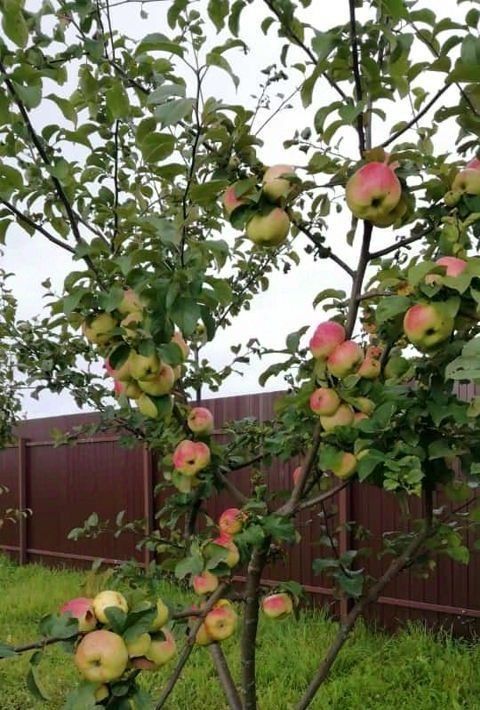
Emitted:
<point x="412" y="670"/>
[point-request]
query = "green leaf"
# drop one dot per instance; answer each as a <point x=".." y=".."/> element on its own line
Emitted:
<point x="395" y="8"/>
<point x="459" y="554"/>
<point x="30" y="95"/>
<point x="82" y="697"/>
<point x="65" y="107"/>
<point x="390" y="307"/>
<point x="324" y="563"/>
<point x="10" y="180"/>
<point x="116" y="619"/>
<point x="280" y="528"/>
<point x="217" y="60"/>
<point x="293" y="339"/>
<point x="34" y="684"/>
<point x="217" y="12"/>
<point x="333" y="293"/>
<point x="157" y="146"/>
<point x="13" y="23"/>
<point x="190" y="565"/>
<point x="157" y="42"/>
<point x="6" y="651"/>
<point x="118" y="103"/>
<point x="174" y="111"/>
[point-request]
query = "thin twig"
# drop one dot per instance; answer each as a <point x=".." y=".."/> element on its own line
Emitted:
<point x="417" y="117"/>
<point x="398" y="245"/>
<point x="318" y="500"/>
<point x="231" y="488"/>
<point x="308" y="464"/>
<point x="326" y="251"/>
<point x="357" y="75"/>
<point x="38" y="227"/>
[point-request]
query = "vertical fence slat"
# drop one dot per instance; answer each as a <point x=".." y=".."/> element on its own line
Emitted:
<point x="344" y="538"/>
<point x="148" y="502"/>
<point x="22" y="500"/>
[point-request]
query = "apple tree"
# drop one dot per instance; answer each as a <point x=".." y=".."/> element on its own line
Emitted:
<point x="117" y="152"/>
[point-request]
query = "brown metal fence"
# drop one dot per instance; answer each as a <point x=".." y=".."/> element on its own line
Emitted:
<point x="63" y="485"/>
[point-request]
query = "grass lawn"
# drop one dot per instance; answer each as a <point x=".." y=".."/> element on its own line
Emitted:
<point x="412" y="670"/>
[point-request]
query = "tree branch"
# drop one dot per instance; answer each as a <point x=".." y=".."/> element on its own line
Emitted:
<point x="395" y="567"/>
<point x="318" y="500"/>
<point x="231" y="488"/>
<point x="325" y="252"/>
<point x="397" y="245"/>
<point x="417" y="117"/>
<point x="291" y="34"/>
<point x="357" y="76"/>
<point x="188" y="648"/>
<point x="38" y="227"/>
<point x="308" y="464"/>
<point x="358" y="278"/>
<point x="225" y="677"/>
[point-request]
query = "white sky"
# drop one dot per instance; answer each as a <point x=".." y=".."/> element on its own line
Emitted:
<point x="288" y="303"/>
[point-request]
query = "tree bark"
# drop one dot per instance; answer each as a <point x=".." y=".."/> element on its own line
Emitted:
<point x="225" y="677"/>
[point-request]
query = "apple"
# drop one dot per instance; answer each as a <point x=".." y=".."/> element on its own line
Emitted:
<point x="147" y="406"/>
<point x="342" y="417"/>
<point x="276" y="183"/>
<point x="99" y="329"/>
<point x="131" y="389"/>
<point x="233" y="557"/>
<point x="369" y="369"/>
<point x="177" y="372"/>
<point x="426" y="325"/>
<point x="202" y="637"/>
<point x="394" y="217"/>
<point x="345" y="359"/>
<point x="269" y="230"/>
<point x="190" y="457"/>
<point x="143" y="367"/>
<point x="346" y="466"/>
<point x="162" y="649"/>
<point x="159" y="384"/>
<point x="373" y="192"/>
<point x="326" y="338"/>
<point x="277" y="606"/>
<point x="105" y="600"/>
<point x="139" y="646"/>
<point x="467" y="181"/>
<point x="359" y="417"/>
<point x="101" y="656"/>
<point x="363" y="404"/>
<point x="296" y="474"/>
<point x="200" y="420"/>
<point x="179" y="340"/>
<point x="452" y="197"/>
<point x="121" y="373"/>
<point x="374" y="351"/>
<point x="101" y="693"/>
<point x="130" y="303"/>
<point x="324" y="401"/>
<point x="130" y="325"/>
<point x="162" y="616"/>
<point x="81" y="609"/>
<point x="221" y="622"/>
<point x="231" y="201"/>
<point x="231" y="521"/>
<point x="453" y="266"/>
<point x="474" y="164"/>
<point x="204" y="583"/>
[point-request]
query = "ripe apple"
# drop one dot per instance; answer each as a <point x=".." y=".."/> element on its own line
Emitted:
<point x="426" y="325"/>
<point x="453" y="266"/>
<point x="346" y="466"/>
<point x="231" y="521"/>
<point x="101" y="656"/>
<point x="99" y="329"/>
<point x="345" y="359"/>
<point x="233" y="557"/>
<point x="162" y="649"/>
<point x="105" y="600"/>
<point x="200" y="420"/>
<point x="203" y="638"/>
<point x="139" y="646"/>
<point x="162" y="616"/>
<point x="474" y="164"/>
<point x="221" y="622"/>
<point x="179" y="340"/>
<point x="374" y="351"/>
<point x="326" y="338"/>
<point x="467" y="181"/>
<point x="130" y="303"/>
<point x="342" y="417"/>
<point x="373" y="192"/>
<point x="81" y="609"/>
<point x="369" y="369"/>
<point x="204" y="583"/>
<point x="190" y="457"/>
<point x="231" y="201"/>
<point x="276" y="183"/>
<point x="143" y="367"/>
<point x="324" y="401"/>
<point x="159" y="384"/>
<point x="269" y="230"/>
<point x="394" y="217"/>
<point x="277" y="606"/>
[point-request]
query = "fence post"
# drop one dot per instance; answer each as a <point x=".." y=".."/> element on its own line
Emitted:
<point x="344" y="537"/>
<point x="147" y="499"/>
<point x="22" y="500"/>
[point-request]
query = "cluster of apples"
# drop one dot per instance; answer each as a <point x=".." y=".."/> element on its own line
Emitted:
<point x="374" y="193"/>
<point x="139" y="377"/>
<point x="190" y="457"/>
<point x="465" y="182"/>
<point x="269" y="223"/>
<point x="341" y="357"/>
<point x="103" y="656"/>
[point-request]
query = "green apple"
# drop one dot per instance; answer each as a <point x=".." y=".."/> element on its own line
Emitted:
<point x="101" y="656"/>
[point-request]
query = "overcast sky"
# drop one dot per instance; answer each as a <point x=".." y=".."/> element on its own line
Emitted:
<point x="288" y="303"/>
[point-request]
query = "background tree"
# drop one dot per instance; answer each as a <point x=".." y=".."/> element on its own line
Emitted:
<point x="131" y="183"/>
